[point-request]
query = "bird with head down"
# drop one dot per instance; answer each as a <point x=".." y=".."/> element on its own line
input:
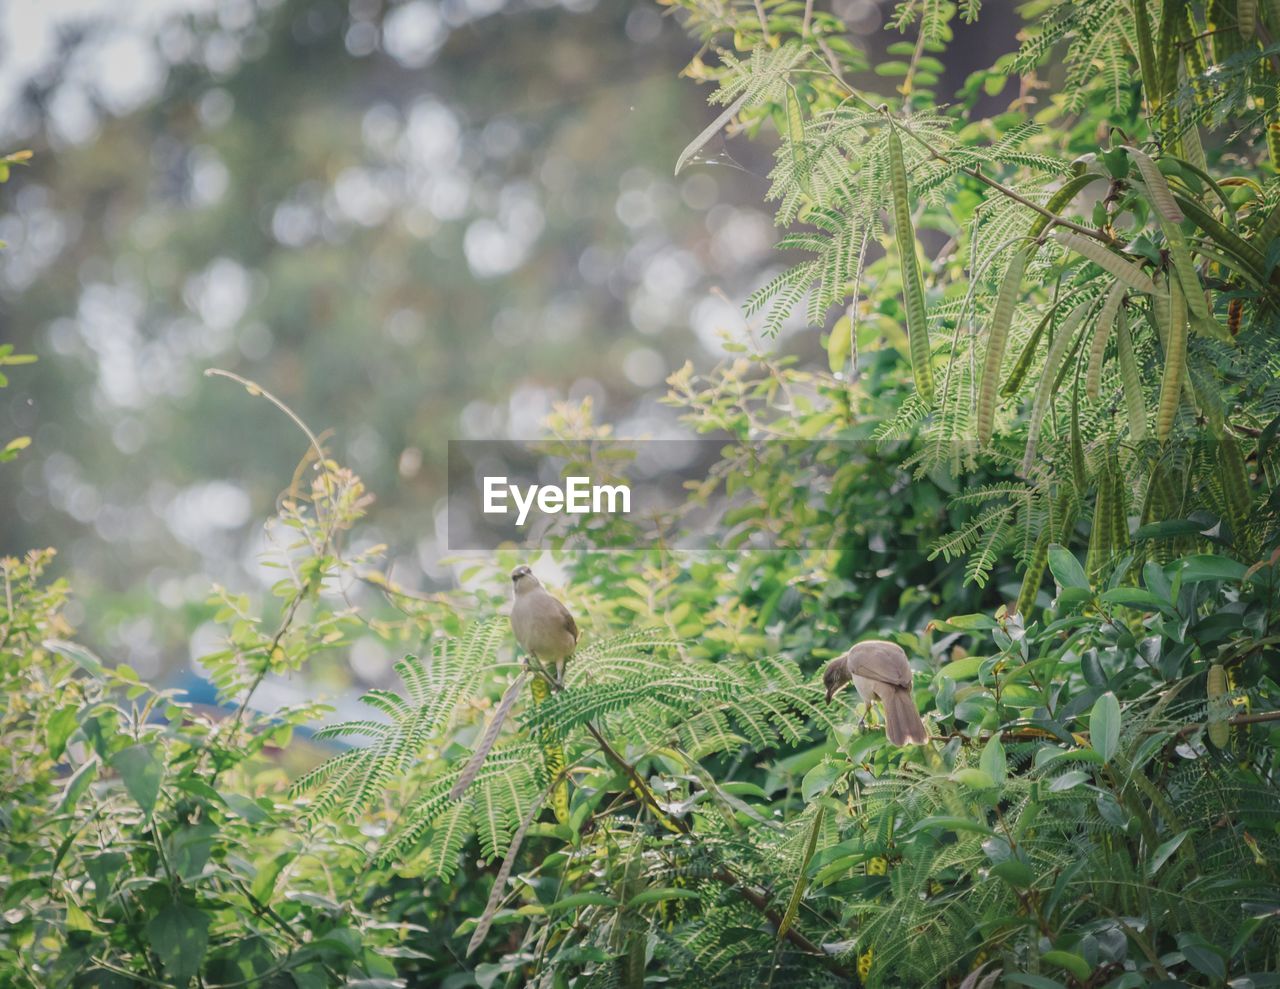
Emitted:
<point x="880" y="672"/>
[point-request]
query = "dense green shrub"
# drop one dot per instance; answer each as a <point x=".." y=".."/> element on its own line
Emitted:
<point x="1099" y="805"/>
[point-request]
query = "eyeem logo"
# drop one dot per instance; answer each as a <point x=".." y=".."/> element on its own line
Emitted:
<point x="578" y="497"/>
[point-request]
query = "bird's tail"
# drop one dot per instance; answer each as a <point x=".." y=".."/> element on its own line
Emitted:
<point x="553" y="755"/>
<point x="901" y="719"/>
<point x="472" y="768"/>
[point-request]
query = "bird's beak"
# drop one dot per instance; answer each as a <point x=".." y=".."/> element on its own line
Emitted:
<point x="831" y="692"/>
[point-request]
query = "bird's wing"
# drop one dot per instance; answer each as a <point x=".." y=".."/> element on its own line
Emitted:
<point x="883" y="661"/>
<point x="567" y="618"/>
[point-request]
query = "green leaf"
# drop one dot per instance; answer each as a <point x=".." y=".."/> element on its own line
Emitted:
<point x="582" y="900"/>
<point x="1066" y="569"/>
<point x="59" y="728"/>
<point x="975" y="779"/>
<point x="993" y="760"/>
<point x="949" y="823"/>
<point x="1015" y="872"/>
<point x="1069" y="960"/>
<point x="1161" y="855"/>
<point x="963" y="669"/>
<point x="1104" y="726"/>
<point x="79" y="782"/>
<point x="820" y="779"/>
<point x="1209" y="567"/>
<point x="78" y="654"/>
<point x="1202" y="955"/>
<point x="660" y="894"/>
<point x="1135" y="597"/>
<point x="141" y="773"/>
<point x="179" y="935"/>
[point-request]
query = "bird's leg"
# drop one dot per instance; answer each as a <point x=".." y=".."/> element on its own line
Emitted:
<point x="540" y="669"/>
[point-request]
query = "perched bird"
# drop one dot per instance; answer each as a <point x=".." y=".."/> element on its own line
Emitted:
<point x="543" y="626"/>
<point x="547" y="632"/>
<point x="879" y="670"/>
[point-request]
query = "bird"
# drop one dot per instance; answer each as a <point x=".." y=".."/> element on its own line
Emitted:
<point x="542" y="625"/>
<point x="546" y="631"/>
<point x="880" y="671"/>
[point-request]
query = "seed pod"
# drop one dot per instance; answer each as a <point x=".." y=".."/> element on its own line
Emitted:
<point x="1235" y="482"/>
<point x="1034" y="575"/>
<point x="1247" y="18"/>
<point x="1002" y="318"/>
<point x="1134" y="404"/>
<point x="1067" y="192"/>
<point x="1175" y="360"/>
<point x="1099" y="254"/>
<point x="1193" y="52"/>
<point x="1101" y="334"/>
<point x="1119" y="510"/>
<point x="1218" y="709"/>
<point x="1235" y="310"/>
<point x="1157" y="186"/>
<point x="909" y="265"/>
<point x="1023" y="364"/>
<point x="1045" y="388"/>
<point x="864" y="965"/>
<point x="1100" y="534"/>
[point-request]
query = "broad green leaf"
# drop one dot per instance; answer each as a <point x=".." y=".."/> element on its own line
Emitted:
<point x="1161" y="855"/>
<point x="179" y="934"/>
<point x="963" y="669"/>
<point x="1104" y="726"/>
<point x="141" y="773"/>
<point x="1073" y="963"/>
<point x="1209" y="567"/>
<point x="1015" y="872"/>
<point x="820" y="779"/>
<point x="1066" y="569"/>
<point x="975" y="779"/>
<point x="993" y="760"/>
<point x="59" y="728"/>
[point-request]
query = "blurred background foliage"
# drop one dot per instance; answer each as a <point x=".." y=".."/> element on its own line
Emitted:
<point x="412" y="221"/>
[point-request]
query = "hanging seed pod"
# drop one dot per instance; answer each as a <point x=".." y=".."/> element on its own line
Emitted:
<point x="1108" y="260"/>
<point x="1058" y="201"/>
<point x="1034" y="575"/>
<point x="1247" y="18"/>
<point x="1101" y="334"/>
<point x="1175" y="361"/>
<point x="1099" y="551"/>
<point x="1079" y="472"/>
<point x="1023" y="364"/>
<point x="1134" y="404"/>
<point x="1045" y="388"/>
<point x="1219" y="710"/>
<point x="1223" y="33"/>
<point x="997" y="339"/>
<point x="1119" y="509"/>
<point x="1235" y="482"/>
<point x="912" y="286"/>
